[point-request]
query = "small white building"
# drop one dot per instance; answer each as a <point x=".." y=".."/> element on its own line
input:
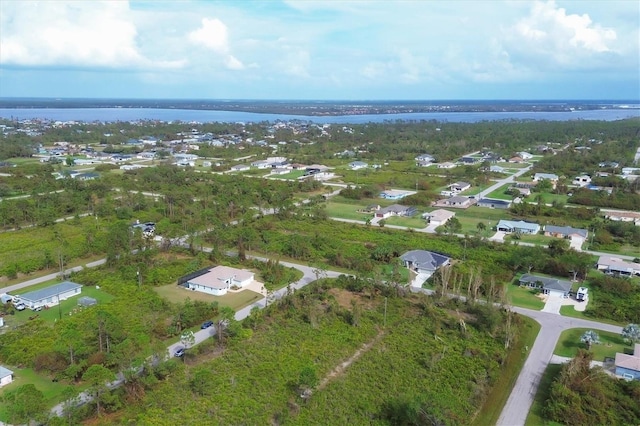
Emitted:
<point x="446" y="165"/>
<point x="220" y="279"/>
<point x="438" y="217"/>
<point x="357" y="165"/>
<point x="6" y="376"/>
<point x="49" y="296"/>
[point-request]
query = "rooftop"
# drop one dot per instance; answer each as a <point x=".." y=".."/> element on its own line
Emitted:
<point x="547" y="282"/>
<point x="220" y="277"/>
<point x="54" y="290"/>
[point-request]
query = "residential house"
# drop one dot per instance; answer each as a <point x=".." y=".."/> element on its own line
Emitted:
<point x="357" y="165"/>
<point x="497" y="169"/>
<point x="516" y="159"/>
<point x="424" y="262"/>
<point x="525" y="192"/>
<point x="49" y="296"/>
<point x="457" y="202"/>
<point x="446" y="165"/>
<point x="438" y="217"/>
<point x="395" y="210"/>
<point x="394" y="194"/>
<point x="459" y="186"/>
<point x="630" y="171"/>
<point x="467" y="159"/>
<point x="261" y="164"/>
<point x="623" y="216"/>
<point x="240" y="168"/>
<point x="609" y="164"/>
<point x="616" y="266"/>
<point x="565" y="232"/>
<point x="427" y="158"/>
<point x="494" y="203"/>
<point x="6" y="376"/>
<point x="519" y="226"/>
<point x="217" y="281"/>
<point x="525" y="155"/>
<point x="628" y="366"/>
<point x="423" y="163"/>
<point x="545" y="176"/>
<point x="582" y="180"/>
<point x="548" y="285"/>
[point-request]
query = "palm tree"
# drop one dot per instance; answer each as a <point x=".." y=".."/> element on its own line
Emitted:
<point x="589" y="338"/>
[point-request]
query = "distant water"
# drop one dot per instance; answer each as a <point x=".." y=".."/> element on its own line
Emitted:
<point x="203" y="116"/>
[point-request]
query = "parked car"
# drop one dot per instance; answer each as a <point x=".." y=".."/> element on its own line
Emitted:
<point x="179" y="352"/>
<point x="206" y="324"/>
<point x="21" y="307"/>
<point x="38" y="309"/>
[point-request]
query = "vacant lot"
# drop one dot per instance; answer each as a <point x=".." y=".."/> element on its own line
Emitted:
<point x="236" y="301"/>
<point x="524" y="297"/>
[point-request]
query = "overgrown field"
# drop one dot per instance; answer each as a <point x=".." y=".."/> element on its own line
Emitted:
<point x="325" y="356"/>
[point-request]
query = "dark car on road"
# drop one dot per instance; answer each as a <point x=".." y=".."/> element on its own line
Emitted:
<point x="179" y="352"/>
<point x="206" y="324"/>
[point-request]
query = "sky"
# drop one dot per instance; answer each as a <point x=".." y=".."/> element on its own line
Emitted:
<point x="320" y="50"/>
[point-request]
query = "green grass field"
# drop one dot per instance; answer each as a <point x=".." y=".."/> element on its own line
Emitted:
<point x="346" y="211"/>
<point x="523" y="297"/>
<point x="610" y="344"/>
<point x="501" y="390"/>
<point x="410" y="222"/>
<point x="499" y="194"/>
<point x="52" y="391"/>
<point x="66" y="307"/>
<point x="535" y="417"/>
<point x="293" y="175"/>
<point x="235" y="301"/>
<point x="569" y="311"/>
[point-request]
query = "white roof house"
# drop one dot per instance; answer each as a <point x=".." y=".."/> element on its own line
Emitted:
<point x="356" y="165"/>
<point x="6" y="376"/>
<point x="545" y="176"/>
<point x="438" y="217"/>
<point x="220" y="279"/>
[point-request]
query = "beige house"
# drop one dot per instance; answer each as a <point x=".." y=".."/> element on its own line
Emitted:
<point x="438" y="217"/>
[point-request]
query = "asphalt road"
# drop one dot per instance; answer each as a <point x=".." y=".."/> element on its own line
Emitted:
<point x="519" y="403"/>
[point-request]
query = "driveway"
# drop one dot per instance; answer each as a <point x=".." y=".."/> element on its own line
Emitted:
<point x="576" y="243"/>
<point x="553" y="303"/>
<point x="499" y="236"/>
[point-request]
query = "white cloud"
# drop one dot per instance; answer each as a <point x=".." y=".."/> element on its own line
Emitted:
<point x="551" y="33"/>
<point x="233" y="63"/>
<point x="72" y="34"/>
<point x="212" y="35"/>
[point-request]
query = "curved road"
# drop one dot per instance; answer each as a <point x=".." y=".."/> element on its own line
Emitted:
<point x="517" y="407"/>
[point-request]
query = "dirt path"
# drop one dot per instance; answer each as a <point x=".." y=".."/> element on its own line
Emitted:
<point x="339" y="370"/>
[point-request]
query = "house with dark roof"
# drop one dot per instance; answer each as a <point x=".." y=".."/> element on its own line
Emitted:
<point x="424" y="262"/>
<point x="395" y="210"/>
<point x="547" y="284"/>
<point x="494" y="203"/>
<point x="565" y="232"/>
<point x="628" y="366"/>
<point x="457" y="202"/>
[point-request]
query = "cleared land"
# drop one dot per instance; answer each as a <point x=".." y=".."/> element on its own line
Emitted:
<point x="524" y="297"/>
<point x="236" y="301"/>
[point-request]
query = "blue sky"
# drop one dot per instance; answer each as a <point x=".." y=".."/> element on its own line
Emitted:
<point x="321" y="49"/>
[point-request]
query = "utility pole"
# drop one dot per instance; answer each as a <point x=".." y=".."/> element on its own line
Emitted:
<point x="384" y="324"/>
<point x="139" y="278"/>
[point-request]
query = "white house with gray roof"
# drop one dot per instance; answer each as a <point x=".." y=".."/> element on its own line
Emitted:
<point x="518" y="226"/>
<point x="217" y="281"/>
<point x="6" y="376"/>
<point x="49" y="296"/>
<point x="424" y="262"/>
<point x="547" y="284"/>
<point x="565" y="232"/>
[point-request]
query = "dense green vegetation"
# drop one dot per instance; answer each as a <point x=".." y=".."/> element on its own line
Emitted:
<point x="615" y="299"/>
<point x="581" y="395"/>
<point x="437" y="355"/>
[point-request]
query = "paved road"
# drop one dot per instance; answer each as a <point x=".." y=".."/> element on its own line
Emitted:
<point x="501" y="182"/>
<point x="519" y="403"/>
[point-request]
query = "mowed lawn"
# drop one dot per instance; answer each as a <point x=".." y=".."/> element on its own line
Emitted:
<point x="51" y="390"/>
<point x="610" y="344"/>
<point x="523" y="297"/>
<point x="410" y="222"/>
<point x="499" y="194"/>
<point x="235" y="301"/>
<point x="347" y="211"/>
<point x="66" y="308"/>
